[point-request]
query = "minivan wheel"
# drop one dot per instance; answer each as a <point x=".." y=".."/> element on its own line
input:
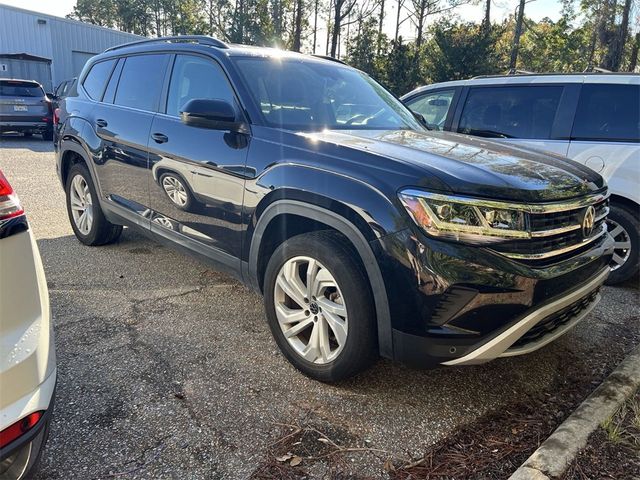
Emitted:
<point x="319" y="306"/>
<point x="87" y="220"/>
<point x="624" y="227"/>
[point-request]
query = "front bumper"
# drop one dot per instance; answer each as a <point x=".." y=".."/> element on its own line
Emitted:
<point x="501" y="344"/>
<point x="454" y="304"/>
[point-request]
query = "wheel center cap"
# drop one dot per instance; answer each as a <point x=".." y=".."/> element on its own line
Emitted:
<point x="314" y="308"/>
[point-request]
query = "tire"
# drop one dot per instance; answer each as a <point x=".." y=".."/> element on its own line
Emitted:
<point x="336" y="261"/>
<point x="47" y="135"/>
<point x="99" y="231"/>
<point x="182" y="197"/>
<point x="624" y="226"/>
<point x="27" y="134"/>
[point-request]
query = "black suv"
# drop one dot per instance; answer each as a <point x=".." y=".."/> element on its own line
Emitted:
<point x="366" y="234"/>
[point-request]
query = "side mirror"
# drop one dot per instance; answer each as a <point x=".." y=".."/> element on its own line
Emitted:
<point x="211" y="114"/>
<point x="51" y="95"/>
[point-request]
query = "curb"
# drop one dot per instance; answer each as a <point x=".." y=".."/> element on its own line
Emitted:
<point x="557" y="452"/>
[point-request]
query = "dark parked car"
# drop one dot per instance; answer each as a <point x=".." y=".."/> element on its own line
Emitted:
<point x="61" y="91"/>
<point x="304" y="178"/>
<point x="25" y="108"/>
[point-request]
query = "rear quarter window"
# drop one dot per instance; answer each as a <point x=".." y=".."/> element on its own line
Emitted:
<point x="608" y="112"/>
<point x="96" y="79"/>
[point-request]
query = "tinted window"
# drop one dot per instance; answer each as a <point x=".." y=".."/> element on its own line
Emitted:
<point x="97" y="78"/>
<point x="608" y="112"/>
<point x="433" y="107"/>
<point x="196" y="77"/>
<point x="141" y="82"/>
<point x="313" y="95"/>
<point x="511" y="112"/>
<point x="11" y="88"/>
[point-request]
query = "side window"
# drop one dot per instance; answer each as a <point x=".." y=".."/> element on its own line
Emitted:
<point x="433" y="106"/>
<point x="96" y="79"/>
<point x="196" y="77"/>
<point x="511" y="111"/>
<point x="140" y="82"/>
<point x="608" y="112"/>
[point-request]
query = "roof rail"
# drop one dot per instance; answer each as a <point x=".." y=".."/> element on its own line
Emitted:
<point x="331" y="59"/>
<point x="200" y="39"/>
<point x="593" y="69"/>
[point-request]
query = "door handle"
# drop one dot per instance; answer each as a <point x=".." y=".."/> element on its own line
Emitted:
<point x="101" y="123"/>
<point x="159" y="137"/>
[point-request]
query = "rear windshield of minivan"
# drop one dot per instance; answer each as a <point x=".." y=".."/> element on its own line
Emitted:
<point x="20" y="89"/>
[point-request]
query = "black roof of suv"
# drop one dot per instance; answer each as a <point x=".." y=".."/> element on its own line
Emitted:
<point x="304" y="178"/>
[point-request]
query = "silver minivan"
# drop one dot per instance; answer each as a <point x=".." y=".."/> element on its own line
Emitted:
<point x="591" y="118"/>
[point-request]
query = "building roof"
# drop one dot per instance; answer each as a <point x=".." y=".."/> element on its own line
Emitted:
<point x="25" y="56"/>
<point x="71" y="21"/>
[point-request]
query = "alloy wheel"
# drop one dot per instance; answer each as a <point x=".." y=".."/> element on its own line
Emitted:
<point x="175" y="190"/>
<point x="622" y="245"/>
<point x="311" y="310"/>
<point x="81" y="204"/>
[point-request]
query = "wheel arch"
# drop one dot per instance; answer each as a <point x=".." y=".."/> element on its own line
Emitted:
<point x="626" y="202"/>
<point x="310" y="217"/>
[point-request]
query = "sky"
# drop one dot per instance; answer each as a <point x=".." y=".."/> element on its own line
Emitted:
<point x="536" y="10"/>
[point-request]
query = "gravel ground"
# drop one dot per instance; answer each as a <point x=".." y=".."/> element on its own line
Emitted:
<point x="166" y="368"/>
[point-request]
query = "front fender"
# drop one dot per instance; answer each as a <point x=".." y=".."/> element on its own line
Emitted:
<point x="349" y="230"/>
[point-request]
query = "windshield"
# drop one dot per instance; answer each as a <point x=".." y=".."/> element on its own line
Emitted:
<point x="20" y="89"/>
<point x="309" y="95"/>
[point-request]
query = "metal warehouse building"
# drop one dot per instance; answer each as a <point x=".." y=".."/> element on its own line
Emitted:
<point x="36" y="46"/>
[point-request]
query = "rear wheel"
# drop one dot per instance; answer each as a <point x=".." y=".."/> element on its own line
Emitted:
<point x="319" y="306"/>
<point x="87" y="220"/>
<point x="623" y="225"/>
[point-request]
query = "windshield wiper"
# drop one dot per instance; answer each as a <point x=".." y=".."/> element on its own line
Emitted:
<point x="489" y="134"/>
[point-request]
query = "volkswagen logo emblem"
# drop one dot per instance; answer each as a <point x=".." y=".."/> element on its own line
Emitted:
<point x="588" y="221"/>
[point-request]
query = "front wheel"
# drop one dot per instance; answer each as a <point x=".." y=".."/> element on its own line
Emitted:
<point x="86" y="217"/>
<point x="319" y="306"/>
<point x="624" y="226"/>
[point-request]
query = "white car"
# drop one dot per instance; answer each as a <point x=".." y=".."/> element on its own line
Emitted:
<point x="27" y="355"/>
<point x="593" y="119"/>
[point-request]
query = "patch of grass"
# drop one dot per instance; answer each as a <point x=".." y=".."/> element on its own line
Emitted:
<point x="624" y="425"/>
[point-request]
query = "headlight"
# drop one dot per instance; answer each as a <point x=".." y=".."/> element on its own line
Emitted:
<point x="465" y="219"/>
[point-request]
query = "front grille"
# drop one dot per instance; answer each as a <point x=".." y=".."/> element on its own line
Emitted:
<point x="558" y="234"/>
<point x="556" y="320"/>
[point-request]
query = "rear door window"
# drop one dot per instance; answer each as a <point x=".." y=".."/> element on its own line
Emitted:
<point x="96" y="79"/>
<point x="433" y="106"/>
<point x="511" y="111"/>
<point x="608" y="113"/>
<point x="141" y="81"/>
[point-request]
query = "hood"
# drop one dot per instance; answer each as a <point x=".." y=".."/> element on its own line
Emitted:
<point x="474" y="166"/>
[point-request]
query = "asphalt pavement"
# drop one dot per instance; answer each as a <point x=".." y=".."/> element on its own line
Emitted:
<point x="167" y="369"/>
